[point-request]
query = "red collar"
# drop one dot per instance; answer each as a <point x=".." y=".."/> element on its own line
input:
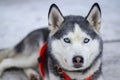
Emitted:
<point x="60" y="71"/>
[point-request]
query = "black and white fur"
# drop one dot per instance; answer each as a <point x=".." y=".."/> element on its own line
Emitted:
<point x="73" y="43"/>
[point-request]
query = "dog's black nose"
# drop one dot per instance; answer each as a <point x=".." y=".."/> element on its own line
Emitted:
<point x="78" y="61"/>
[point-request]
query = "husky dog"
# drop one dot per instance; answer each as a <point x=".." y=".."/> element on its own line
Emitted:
<point x="73" y="44"/>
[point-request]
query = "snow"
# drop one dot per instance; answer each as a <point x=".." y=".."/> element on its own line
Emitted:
<point x="20" y="17"/>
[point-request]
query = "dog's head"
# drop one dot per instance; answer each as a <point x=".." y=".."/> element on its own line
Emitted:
<point x="74" y="40"/>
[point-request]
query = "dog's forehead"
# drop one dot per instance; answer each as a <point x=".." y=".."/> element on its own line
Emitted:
<point x="78" y="30"/>
<point x="75" y="24"/>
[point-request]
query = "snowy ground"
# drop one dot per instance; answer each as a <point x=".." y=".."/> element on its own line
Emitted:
<point x="19" y="17"/>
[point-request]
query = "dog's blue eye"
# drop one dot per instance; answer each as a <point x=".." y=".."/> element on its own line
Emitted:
<point x="67" y="40"/>
<point x="86" y="40"/>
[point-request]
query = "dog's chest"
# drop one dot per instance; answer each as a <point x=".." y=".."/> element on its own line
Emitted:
<point x="75" y="76"/>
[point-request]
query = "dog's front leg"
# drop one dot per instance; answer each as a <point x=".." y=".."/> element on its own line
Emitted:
<point x="31" y="74"/>
<point x="53" y="77"/>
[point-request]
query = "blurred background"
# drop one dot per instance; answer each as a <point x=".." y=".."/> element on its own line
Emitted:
<point x="20" y="17"/>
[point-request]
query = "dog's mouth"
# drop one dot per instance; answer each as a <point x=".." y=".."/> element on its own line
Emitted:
<point x="78" y="65"/>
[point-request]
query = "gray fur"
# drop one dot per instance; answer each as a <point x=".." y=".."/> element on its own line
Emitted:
<point x="33" y="39"/>
<point x="68" y="26"/>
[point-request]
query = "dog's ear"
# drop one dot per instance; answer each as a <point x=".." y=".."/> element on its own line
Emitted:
<point x="55" y="18"/>
<point x="94" y="17"/>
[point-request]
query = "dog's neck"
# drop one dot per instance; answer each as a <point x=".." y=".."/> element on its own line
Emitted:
<point x="78" y="75"/>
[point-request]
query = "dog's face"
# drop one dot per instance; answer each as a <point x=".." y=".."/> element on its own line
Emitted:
<point x="74" y="40"/>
